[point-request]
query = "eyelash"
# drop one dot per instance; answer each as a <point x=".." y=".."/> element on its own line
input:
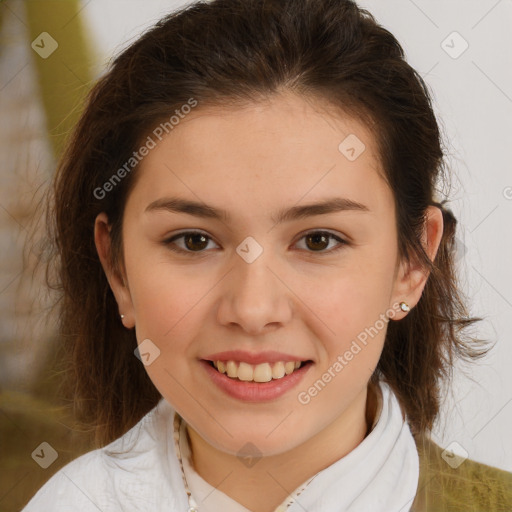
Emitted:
<point x="170" y="245"/>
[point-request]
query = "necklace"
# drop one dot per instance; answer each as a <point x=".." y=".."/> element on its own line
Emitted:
<point x="193" y="507"/>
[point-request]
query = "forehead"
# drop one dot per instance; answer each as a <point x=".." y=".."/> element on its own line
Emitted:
<point x="284" y="148"/>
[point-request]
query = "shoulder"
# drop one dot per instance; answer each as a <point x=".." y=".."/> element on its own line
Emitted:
<point x="133" y="470"/>
<point x="72" y="486"/>
<point x="454" y="484"/>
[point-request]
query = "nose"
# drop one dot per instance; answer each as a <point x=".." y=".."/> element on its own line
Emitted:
<point x="255" y="298"/>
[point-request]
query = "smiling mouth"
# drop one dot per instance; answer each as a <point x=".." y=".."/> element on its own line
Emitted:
<point x="263" y="372"/>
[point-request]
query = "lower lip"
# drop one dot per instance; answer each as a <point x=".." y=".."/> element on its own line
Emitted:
<point x="255" y="391"/>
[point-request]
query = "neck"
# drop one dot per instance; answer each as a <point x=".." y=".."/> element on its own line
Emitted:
<point x="264" y="486"/>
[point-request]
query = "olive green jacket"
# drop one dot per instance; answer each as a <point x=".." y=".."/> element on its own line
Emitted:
<point x="470" y="487"/>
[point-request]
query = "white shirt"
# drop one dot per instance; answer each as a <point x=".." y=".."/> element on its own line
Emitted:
<point x="141" y="471"/>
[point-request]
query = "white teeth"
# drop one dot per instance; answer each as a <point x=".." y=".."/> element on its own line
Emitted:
<point x="263" y="372"/>
<point x="245" y="372"/>
<point x="278" y="370"/>
<point x="232" y="369"/>
<point x="289" y="367"/>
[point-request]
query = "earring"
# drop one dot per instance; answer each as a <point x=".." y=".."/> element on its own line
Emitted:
<point x="404" y="307"/>
<point x="122" y="316"/>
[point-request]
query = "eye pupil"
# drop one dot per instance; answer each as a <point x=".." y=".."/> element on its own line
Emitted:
<point x="316" y="241"/>
<point x="317" y="238"/>
<point x="194" y="237"/>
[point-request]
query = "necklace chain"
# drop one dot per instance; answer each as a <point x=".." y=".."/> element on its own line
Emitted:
<point x="177" y="429"/>
<point x="193" y="507"/>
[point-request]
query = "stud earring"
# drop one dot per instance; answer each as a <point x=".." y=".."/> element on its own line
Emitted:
<point x="122" y="316"/>
<point x="404" y="307"/>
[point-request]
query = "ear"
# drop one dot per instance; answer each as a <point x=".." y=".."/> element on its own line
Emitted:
<point x="411" y="278"/>
<point x="116" y="279"/>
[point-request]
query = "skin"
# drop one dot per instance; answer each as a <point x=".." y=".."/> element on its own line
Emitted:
<point x="296" y="297"/>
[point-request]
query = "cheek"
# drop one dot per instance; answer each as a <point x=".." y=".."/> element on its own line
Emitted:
<point x="352" y="309"/>
<point x="356" y="329"/>
<point x="165" y="303"/>
<point x="163" y="296"/>
<point x="351" y="300"/>
<point x="169" y="310"/>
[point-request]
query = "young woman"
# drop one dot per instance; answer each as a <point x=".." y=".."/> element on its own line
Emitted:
<point x="259" y="297"/>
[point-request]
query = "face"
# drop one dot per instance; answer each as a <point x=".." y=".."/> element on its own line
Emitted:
<point x="255" y="276"/>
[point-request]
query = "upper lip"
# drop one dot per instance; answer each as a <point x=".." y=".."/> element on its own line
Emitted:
<point x="253" y="358"/>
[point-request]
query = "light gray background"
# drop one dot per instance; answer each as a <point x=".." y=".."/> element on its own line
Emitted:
<point x="473" y="99"/>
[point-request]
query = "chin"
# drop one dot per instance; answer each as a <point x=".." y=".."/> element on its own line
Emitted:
<point x="265" y="442"/>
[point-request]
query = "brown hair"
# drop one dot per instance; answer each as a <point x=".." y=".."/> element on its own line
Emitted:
<point x="234" y="51"/>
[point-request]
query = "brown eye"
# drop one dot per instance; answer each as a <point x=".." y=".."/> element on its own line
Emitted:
<point x="190" y="242"/>
<point x="195" y="241"/>
<point x="319" y="242"/>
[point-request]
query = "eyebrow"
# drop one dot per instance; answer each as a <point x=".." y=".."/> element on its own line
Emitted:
<point x="198" y="209"/>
